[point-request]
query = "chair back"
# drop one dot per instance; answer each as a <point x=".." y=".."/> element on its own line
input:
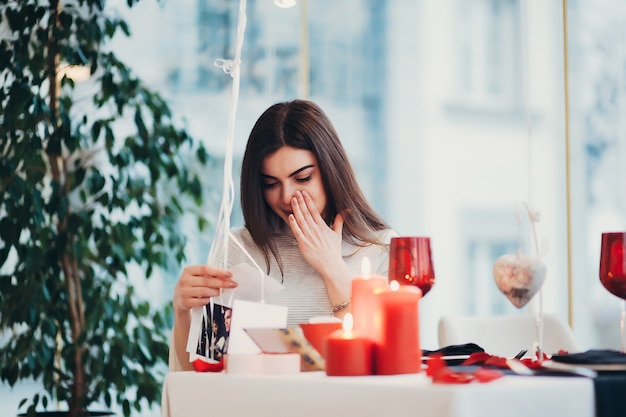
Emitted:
<point x="507" y="335"/>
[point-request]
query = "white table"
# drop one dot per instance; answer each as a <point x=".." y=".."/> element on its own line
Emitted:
<point x="189" y="394"/>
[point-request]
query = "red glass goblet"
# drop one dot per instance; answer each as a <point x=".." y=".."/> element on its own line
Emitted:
<point x="613" y="270"/>
<point x="410" y="262"/>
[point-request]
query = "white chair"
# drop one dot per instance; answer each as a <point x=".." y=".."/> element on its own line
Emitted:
<point x="507" y="335"/>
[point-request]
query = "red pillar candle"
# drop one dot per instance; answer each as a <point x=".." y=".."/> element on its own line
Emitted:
<point x="398" y="350"/>
<point x="364" y="304"/>
<point x="347" y="353"/>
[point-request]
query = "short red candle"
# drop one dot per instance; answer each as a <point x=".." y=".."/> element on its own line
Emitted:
<point x="398" y="349"/>
<point x="347" y="353"/>
<point x="364" y="304"/>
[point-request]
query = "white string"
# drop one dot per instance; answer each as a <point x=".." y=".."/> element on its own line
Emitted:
<point x="233" y="68"/>
<point x="220" y="242"/>
<point x="523" y="11"/>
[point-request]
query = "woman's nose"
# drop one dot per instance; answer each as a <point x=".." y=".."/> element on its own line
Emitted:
<point x="288" y="194"/>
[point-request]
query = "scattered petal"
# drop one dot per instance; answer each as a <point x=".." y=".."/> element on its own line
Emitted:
<point x="487" y="375"/>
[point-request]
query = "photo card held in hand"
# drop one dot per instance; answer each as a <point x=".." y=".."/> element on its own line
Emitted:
<point x="253" y="285"/>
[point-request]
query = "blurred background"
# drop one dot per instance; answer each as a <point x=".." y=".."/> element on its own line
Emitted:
<point x="454" y="113"/>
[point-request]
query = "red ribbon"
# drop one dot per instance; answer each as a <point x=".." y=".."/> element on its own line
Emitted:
<point x="485" y="359"/>
<point x="439" y="372"/>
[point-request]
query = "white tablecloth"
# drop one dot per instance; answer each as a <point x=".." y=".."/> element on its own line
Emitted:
<point x="189" y="394"/>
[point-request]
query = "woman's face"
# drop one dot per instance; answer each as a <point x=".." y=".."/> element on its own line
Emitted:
<point x="289" y="170"/>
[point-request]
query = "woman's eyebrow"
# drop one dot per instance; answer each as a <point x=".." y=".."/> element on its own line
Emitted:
<point x="296" y="172"/>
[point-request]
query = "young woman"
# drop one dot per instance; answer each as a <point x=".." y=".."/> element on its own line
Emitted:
<point x="306" y="221"/>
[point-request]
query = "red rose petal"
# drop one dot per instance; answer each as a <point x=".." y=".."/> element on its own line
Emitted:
<point x="486" y="375"/>
<point x="477" y="358"/>
<point x="453" y="378"/>
<point x="497" y="361"/>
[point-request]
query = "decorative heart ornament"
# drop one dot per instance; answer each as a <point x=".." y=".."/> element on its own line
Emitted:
<point x="519" y="277"/>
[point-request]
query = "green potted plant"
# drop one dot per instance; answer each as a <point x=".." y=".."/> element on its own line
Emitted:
<point x="91" y="191"/>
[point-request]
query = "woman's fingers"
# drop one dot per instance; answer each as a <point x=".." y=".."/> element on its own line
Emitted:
<point x="305" y="211"/>
<point x="306" y="214"/>
<point x="198" y="283"/>
<point x="311" y="208"/>
<point x="206" y="271"/>
<point x="301" y="214"/>
<point x="318" y="242"/>
<point x="307" y="222"/>
<point x="338" y="224"/>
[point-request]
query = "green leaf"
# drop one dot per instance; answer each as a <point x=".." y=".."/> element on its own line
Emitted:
<point x="9" y="232"/>
<point x="66" y="20"/>
<point x="79" y="176"/>
<point x="126" y="408"/>
<point x="141" y="127"/>
<point x="4" y="254"/>
<point x="95" y="130"/>
<point x="96" y="182"/>
<point x="18" y="97"/>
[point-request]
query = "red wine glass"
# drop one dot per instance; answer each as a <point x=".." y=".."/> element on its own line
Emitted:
<point x="613" y="271"/>
<point x="410" y="262"/>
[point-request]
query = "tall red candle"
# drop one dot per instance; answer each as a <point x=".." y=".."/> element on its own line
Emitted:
<point x="398" y="349"/>
<point x="364" y="306"/>
<point x="347" y="353"/>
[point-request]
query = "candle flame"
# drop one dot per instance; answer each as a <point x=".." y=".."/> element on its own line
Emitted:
<point x="348" y="322"/>
<point x="394" y="285"/>
<point x="365" y="267"/>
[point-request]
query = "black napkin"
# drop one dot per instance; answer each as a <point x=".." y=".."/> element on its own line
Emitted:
<point x="592" y="357"/>
<point x="454" y="350"/>
<point x="609" y="387"/>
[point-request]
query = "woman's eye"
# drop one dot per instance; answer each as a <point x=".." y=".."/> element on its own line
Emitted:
<point x="269" y="185"/>
<point x="306" y="179"/>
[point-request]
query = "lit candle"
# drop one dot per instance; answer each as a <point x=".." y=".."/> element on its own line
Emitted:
<point x="364" y="302"/>
<point x="347" y="353"/>
<point x="398" y="349"/>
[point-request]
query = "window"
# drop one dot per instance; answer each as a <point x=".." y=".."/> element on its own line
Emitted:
<point x="489" y="53"/>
